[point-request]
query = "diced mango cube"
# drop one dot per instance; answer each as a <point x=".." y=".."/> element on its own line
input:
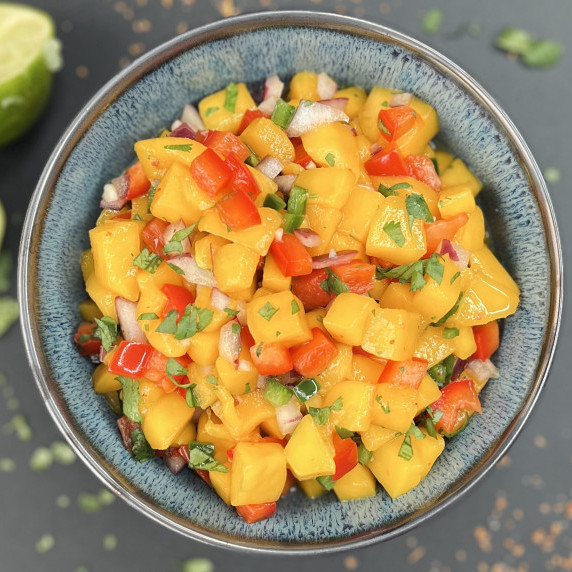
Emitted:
<point x="304" y="85"/>
<point x="348" y="317"/>
<point x="230" y="275"/>
<point x="471" y="235"/>
<point x="356" y="97"/>
<point x="427" y="393"/>
<point x="464" y="344"/>
<point x="366" y="369"/>
<point x="358" y="483"/>
<point x="356" y="398"/>
<point x="359" y="211"/>
<point x="432" y="346"/>
<point x="235" y="379"/>
<point x="221" y="482"/>
<point x="103" y="297"/>
<point x="312" y="488"/>
<point x="205" y="248"/>
<point x="340" y="368"/>
<point x="223" y="110"/>
<point x="265" y="138"/>
<point x="330" y="187"/>
<point x="394" y="406"/>
<point x="376" y="436"/>
<point x="458" y="174"/>
<point x="103" y="381"/>
<point x="272" y="277"/>
<point x="324" y="221"/>
<point x="456" y="200"/>
<point x="398" y="296"/>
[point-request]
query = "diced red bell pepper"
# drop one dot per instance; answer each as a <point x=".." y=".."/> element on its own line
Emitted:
<point x="312" y="357"/>
<point x="157" y="367"/>
<point x="210" y="172"/>
<point x="153" y="235"/>
<point x="357" y="276"/>
<point x="386" y="163"/>
<point x="178" y="298"/>
<point x="271" y="358"/>
<point x="395" y="120"/>
<point x="131" y="359"/>
<point x="249" y="116"/>
<point x="422" y="168"/>
<point x="88" y="345"/>
<point x="301" y="157"/>
<point x="456" y="396"/>
<point x="407" y="373"/>
<point x="241" y="178"/>
<point x="224" y="143"/>
<point x="125" y="215"/>
<point x="442" y="229"/>
<point x="308" y="289"/>
<point x="487" y="340"/>
<point x="238" y="210"/>
<point x="252" y="513"/>
<point x="291" y="256"/>
<point x="345" y="456"/>
<point x="137" y="182"/>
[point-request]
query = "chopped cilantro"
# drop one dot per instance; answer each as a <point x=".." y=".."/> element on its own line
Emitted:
<point x="384" y="406"/>
<point x="267" y="311"/>
<point x="175" y="244"/>
<point x="41" y="459"/>
<point x="441" y="372"/>
<point x="417" y="209"/>
<point x="45" y="543"/>
<point x="413" y="272"/>
<point x="333" y="284"/>
<point x="406" y="449"/>
<point x="393" y="230"/>
<point x="141" y="449"/>
<point x="235" y="328"/>
<point x="174" y="368"/>
<point x="321" y="415"/>
<point x="148" y="261"/>
<point x="327" y="482"/>
<point x="450" y="333"/>
<point x="148" y="316"/>
<point x="130" y="398"/>
<point x="364" y="455"/>
<point x="434" y="268"/>
<point x="106" y="331"/>
<point x="169" y="323"/>
<point x="344" y="433"/>
<point x="259" y="349"/>
<point x="330" y="160"/>
<point x="454" y="277"/>
<point x="295" y="307"/>
<point x="381" y="126"/>
<point x="193" y="320"/>
<point x="212" y="379"/>
<point x="210" y="111"/>
<point x="186" y="147"/>
<point x="533" y="52"/>
<point x="201" y="456"/>
<point x="247" y="388"/>
<point x="231" y="313"/>
<point x="190" y="396"/>
<point x="230" y="97"/>
<point x="150" y="197"/>
<point x="175" y="268"/>
<point x="431" y="420"/>
<point x="197" y="565"/>
<point x="452" y="311"/>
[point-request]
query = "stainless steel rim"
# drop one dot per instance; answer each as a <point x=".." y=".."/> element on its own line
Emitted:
<point x="111" y="91"/>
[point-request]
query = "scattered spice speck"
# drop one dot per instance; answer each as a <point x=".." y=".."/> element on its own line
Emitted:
<point x="540" y="441"/>
<point x="432" y="21"/>
<point x="351" y="563"/>
<point x="416" y="555"/>
<point x="552" y="175"/>
<point x="82" y="72"/>
<point x="45" y="543"/>
<point x="109" y="542"/>
<point x="7" y="465"/>
<point x="197" y="565"/>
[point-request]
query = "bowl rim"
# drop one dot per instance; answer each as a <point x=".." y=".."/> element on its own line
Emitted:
<point x="113" y="89"/>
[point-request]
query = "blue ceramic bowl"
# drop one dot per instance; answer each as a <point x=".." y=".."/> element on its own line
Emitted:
<point x="147" y="96"/>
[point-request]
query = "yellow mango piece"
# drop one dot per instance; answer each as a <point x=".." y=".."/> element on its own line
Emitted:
<point x="429" y="450"/>
<point x="210" y="429"/>
<point x="89" y="310"/>
<point x="203" y="300"/>
<point x="235" y="380"/>
<point x="464" y="343"/>
<point x="356" y="397"/>
<point x="221" y="483"/>
<point x="165" y="419"/>
<point x="427" y="393"/>
<point x="471" y="235"/>
<point x="315" y="319"/>
<point x="432" y="346"/>
<point x="330" y="187"/>
<point x="109" y="214"/>
<point x="140" y="208"/>
<point x="205" y="247"/>
<point x="247" y="294"/>
<point x="359" y="483"/>
<point x="270" y="427"/>
<point x="203" y="348"/>
<point x="434" y="300"/>
<point x="444" y="159"/>
<point x="414" y="187"/>
<point x="307" y="454"/>
<point x="170" y="202"/>
<point x="340" y="368"/>
<point x="335" y="141"/>
<point x="359" y="211"/>
<point x="456" y="200"/>
<point x="257" y="238"/>
<point x="149" y="392"/>
<point x="348" y="317"/>
<point x="343" y="241"/>
<point x="205" y="392"/>
<point x="103" y="297"/>
<point x="157" y="155"/>
<point x="86" y="263"/>
<point x="378" y="98"/>
<point x="304" y="85"/>
<point x="459" y="174"/>
<point x="392" y="334"/>
<point x="258" y="473"/>
<point x="223" y="110"/>
<point x="265" y="138"/>
<point x="390" y="237"/>
<point x="426" y="127"/>
<point x="324" y="221"/>
<point x="103" y="381"/>
<point x="187" y="434"/>
<point x="379" y="288"/>
<point x="266" y="185"/>
<point x="365" y="369"/>
<point x="376" y="436"/>
<point x="291" y="169"/>
<point x="394" y="406"/>
<point x="272" y="277"/>
<point x="398" y="296"/>
<point x="233" y="277"/>
<point x="356" y="97"/>
<point x="312" y="488"/>
<point x="114" y="245"/>
<point x="267" y="315"/>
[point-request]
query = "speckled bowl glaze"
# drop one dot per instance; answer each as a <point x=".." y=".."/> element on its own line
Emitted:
<point x="147" y="96"/>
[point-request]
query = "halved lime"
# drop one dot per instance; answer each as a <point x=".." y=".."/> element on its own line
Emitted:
<point x="29" y="53"/>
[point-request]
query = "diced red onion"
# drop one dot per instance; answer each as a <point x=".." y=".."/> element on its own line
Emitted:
<point x="183" y="130"/>
<point x="338" y="103"/>
<point x="175" y="464"/>
<point x="270" y="166"/>
<point x="114" y="195"/>
<point x="127" y="318"/>
<point x="285" y="183"/>
<point x="375" y="148"/>
<point x="458" y="368"/>
<point x="459" y="255"/>
<point x="126" y="427"/>
<point x="229" y="344"/>
<point x="219" y="300"/>
<point x="311" y="165"/>
<point x="192" y="272"/>
<point x="171" y="230"/>
<point x="326" y="87"/>
<point x="482" y="370"/>
<point x="400" y="99"/>
<point x="245" y="365"/>
<point x="279" y="234"/>
<point x="102" y="353"/>
<point x="310" y="115"/>
<point x="324" y="260"/>
<point x="273" y="87"/>
<point x="288" y="416"/>
<point x="267" y="106"/>
<point x="308" y="237"/>
<point x="192" y="118"/>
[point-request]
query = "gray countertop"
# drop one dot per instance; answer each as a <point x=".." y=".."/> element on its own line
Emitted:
<point x="517" y="519"/>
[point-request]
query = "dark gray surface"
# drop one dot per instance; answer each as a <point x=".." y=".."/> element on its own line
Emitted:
<point x="522" y="508"/>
